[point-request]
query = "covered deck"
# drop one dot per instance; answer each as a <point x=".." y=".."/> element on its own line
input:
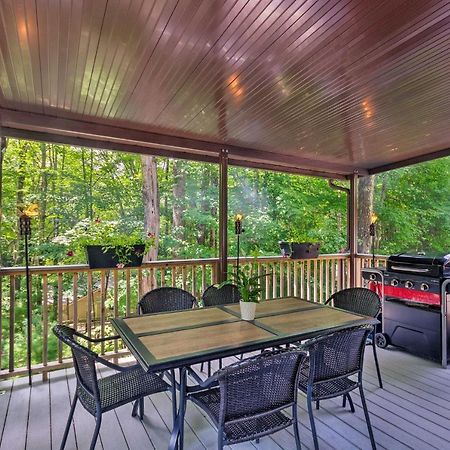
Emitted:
<point x="411" y="411"/>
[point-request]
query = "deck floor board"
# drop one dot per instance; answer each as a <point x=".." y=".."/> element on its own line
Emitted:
<point x="411" y="412"/>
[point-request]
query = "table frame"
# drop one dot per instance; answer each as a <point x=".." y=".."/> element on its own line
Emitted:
<point x="150" y="363"/>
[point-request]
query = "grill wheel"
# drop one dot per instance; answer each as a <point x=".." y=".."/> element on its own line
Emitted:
<point x="381" y="340"/>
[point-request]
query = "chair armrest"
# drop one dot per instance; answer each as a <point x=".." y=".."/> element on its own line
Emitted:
<point x="104" y="339"/>
<point x="208" y="383"/>
<point x="111" y="365"/>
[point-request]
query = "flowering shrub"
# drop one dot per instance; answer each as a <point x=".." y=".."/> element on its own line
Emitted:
<point x="120" y="236"/>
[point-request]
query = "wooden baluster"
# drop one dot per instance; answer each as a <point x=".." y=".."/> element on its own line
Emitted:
<point x="327" y="279"/>
<point x="60" y="310"/>
<point x="260" y="272"/>
<point x="321" y="285"/>
<point x="116" y="303"/>
<point x="203" y="278"/>
<point x="139" y="280"/>
<point x="302" y="279"/>
<point x="102" y="308"/>
<point x="288" y="277"/>
<point x="174" y="276"/>
<point x="281" y="279"/>
<point x="128" y="292"/>
<point x="75" y="300"/>
<point x="193" y="283"/>
<point x="183" y="276"/>
<point x="267" y="293"/>
<point x="153" y="280"/>
<point x="295" y="278"/>
<point x="315" y="281"/>
<point x="274" y="281"/>
<point x="44" y="325"/>
<point x="162" y="273"/>
<point x="12" y="320"/>
<point x="90" y="303"/>
<point x="308" y="279"/>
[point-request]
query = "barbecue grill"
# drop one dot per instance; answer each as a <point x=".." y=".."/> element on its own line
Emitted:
<point x="414" y="288"/>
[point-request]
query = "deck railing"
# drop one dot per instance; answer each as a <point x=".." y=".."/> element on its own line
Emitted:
<point x="87" y="299"/>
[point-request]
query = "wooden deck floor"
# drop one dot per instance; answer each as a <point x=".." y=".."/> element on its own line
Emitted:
<point x="412" y="411"/>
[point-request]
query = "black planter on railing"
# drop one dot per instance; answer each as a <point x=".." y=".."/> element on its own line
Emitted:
<point x="99" y="259"/>
<point x="299" y="250"/>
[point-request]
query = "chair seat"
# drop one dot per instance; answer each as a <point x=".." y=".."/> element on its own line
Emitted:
<point x="123" y="387"/>
<point x="245" y="429"/>
<point x="326" y="389"/>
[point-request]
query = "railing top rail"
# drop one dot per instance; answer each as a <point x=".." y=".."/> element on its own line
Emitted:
<point x="20" y="270"/>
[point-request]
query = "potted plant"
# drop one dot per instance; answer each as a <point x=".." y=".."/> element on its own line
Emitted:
<point x="299" y="247"/>
<point x="108" y="244"/>
<point x="249" y="287"/>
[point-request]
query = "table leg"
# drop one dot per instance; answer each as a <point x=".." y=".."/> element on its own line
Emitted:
<point x="177" y="436"/>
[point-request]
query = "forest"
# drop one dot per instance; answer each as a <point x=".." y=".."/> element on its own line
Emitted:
<point x="72" y="184"/>
<point x="177" y="201"/>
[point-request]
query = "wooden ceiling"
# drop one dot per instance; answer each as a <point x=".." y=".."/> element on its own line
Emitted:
<point x="321" y="87"/>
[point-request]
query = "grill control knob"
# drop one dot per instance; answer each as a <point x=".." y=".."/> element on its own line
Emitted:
<point x="372" y="277"/>
<point x="424" y="287"/>
<point x="394" y="282"/>
<point x="409" y="284"/>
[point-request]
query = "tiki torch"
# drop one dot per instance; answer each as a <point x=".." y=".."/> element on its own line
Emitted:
<point x="237" y="231"/>
<point x="25" y="230"/>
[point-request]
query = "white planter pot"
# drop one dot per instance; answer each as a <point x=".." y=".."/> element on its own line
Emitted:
<point x="248" y="310"/>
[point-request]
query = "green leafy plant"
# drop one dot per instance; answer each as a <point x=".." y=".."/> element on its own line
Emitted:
<point x="249" y="286"/>
<point x="120" y="236"/>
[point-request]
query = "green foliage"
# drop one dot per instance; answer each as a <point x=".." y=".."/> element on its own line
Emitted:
<point x="120" y="235"/>
<point x="249" y="285"/>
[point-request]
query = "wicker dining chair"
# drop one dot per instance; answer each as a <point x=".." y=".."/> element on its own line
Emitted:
<point x="248" y="399"/>
<point x="215" y="296"/>
<point x="225" y="295"/>
<point x="332" y="359"/>
<point x="360" y="301"/>
<point x="98" y="396"/>
<point x="165" y="299"/>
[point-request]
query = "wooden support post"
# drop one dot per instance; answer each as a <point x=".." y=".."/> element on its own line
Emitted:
<point x="353" y="227"/>
<point x="223" y="215"/>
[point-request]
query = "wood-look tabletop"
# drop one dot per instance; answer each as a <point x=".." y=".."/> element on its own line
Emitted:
<point x="176" y="339"/>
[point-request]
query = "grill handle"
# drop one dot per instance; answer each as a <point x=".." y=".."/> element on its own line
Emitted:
<point x="410" y="269"/>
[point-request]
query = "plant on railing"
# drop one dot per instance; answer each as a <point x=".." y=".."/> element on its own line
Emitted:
<point x="127" y="241"/>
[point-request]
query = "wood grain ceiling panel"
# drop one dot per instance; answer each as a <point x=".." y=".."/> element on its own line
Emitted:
<point x="349" y="84"/>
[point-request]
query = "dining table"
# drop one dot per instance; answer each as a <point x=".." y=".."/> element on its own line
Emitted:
<point x="176" y="340"/>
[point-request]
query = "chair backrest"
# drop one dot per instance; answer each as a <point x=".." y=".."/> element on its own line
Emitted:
<point x="336" y="355"/>
<point x="228" y="293"/>
<point x="259" y="385"/>
<point x="166" y="299"/>
<point x="358" y="300"/>
<point x="83" y="359"/>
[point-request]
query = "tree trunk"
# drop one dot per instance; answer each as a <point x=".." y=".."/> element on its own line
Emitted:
<point x="43" y="192"/>
<point x="366" y="190"/>
<point x="22" y="155"/>
<point x="3" y="146"/>
<point x="179" y="189"/>
<point x="150" y="200"/>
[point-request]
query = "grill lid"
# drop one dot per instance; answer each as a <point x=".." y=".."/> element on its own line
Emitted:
<point x="426" y="263"/>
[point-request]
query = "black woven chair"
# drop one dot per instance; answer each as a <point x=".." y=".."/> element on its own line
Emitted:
<point x="165" y="299"/>
<point x="214" y="296"/>
<point x="246" y="400"/>
<point x="101" y="395"/>
<point x="334" y="358"/>
<point x="360" y="301"/>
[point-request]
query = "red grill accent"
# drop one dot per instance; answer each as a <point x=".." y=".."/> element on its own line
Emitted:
<point x="428" y="298"/>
